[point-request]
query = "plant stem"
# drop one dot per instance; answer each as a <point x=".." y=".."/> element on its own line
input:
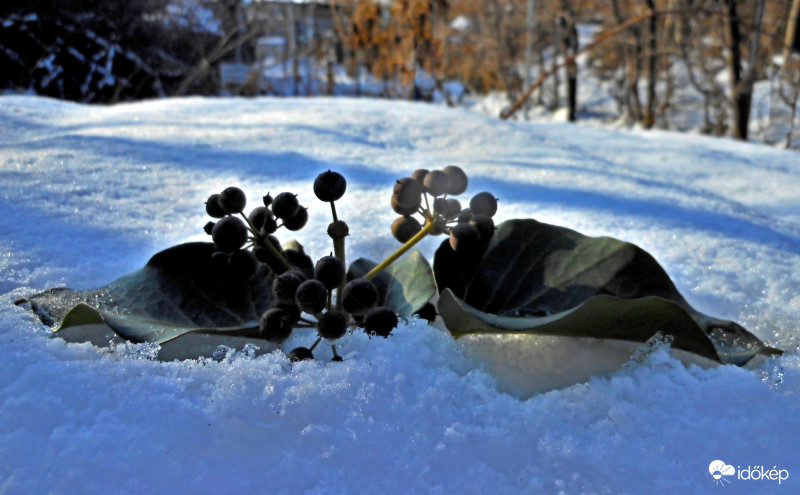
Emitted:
<point x="250" y="225"/>
<point x="266" y="243"/>
<point x="333" y="210"/>
<point x="339" y="252"/>
<point x="405" y="247"/>
<point x="276" y="254"/>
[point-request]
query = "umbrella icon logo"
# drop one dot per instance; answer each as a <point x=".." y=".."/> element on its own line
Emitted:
<point x="719" y="470"/>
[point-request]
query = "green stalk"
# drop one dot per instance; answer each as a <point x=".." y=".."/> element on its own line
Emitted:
<point x="333" y="210"/>
<point x="276" y="254"/>
<point x="250" y="225"/>
<point x="402" y="250"/>
<point x="267" y="244"/>
<point x="339" y="252"/>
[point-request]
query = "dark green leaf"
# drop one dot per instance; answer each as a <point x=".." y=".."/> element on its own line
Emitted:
<point x="181" y="290"/>
<point x="542" y="279"/>
<point x="405" y="286"/>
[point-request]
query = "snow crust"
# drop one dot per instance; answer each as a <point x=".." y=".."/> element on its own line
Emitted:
<point x="90" y="193"/>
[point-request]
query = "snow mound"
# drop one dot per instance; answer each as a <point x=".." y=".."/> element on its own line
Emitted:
<point x="89" y="194"/>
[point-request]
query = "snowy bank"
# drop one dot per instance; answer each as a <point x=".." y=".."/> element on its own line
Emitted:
<point x="90" y="193"/>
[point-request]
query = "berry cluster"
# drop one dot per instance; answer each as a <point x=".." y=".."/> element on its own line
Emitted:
<point x="470" y="229"/>
<point x="300" y="300"/>
<point x="233" y="235"/>
<point x="320" y="297"/>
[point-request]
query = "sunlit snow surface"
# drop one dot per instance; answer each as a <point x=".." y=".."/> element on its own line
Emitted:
<point x="88" y="194"/>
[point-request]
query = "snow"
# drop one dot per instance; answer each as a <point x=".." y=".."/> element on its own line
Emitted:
<point x="90" y="193"/>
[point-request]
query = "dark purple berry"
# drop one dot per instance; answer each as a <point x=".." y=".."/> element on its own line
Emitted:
<point x="404" y="228"/>
<point x="464" y="237"/>
<point x="300" y="354"/>
<point x="359" y="296"/>
<point x="436" y="183"/>
<point x="457" y="181"/>
<point x="275" y="325"/>
<point x="440" y="206"/>
<point x="285" y="205"/>
<point x="332" y="325"/>
<point x="259" y="216"/>
<point x="419" y="176"/>
<point x="292" y="311"/>
<point x="229" y="234"/>
<point x="330" y="186"/>
<point x="453" y="208"/>
<point x="213" y="208"/>
<point x="464" y="216"/>
<point x="403" y="210"/>
<point x="483" y="203"/>
<point x="208" y="228"/>
<point x="408" y="193"/>
<point x="485" y="226"/>
<point x="232" y="200"/>
<point x="330" y="271"/>
<point x="427" y="312"/>
<point x="298" y="220"/>
<point x="381" y="320"/>
<point x="311" y="296"/>
<point x="285" y="285"/>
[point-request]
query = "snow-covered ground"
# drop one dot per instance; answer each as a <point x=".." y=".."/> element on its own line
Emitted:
<point x="88" y="194"/>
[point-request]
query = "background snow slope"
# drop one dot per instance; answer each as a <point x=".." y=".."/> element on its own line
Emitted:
<point x="88" y="194"/>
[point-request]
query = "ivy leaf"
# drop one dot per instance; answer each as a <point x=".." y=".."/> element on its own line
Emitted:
<point x="180" y="291"/>
<point x="542" y="279"/>
<point x="405" y="286"/>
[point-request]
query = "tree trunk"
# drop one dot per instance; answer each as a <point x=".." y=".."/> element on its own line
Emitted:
<point x="292" y="45"/>
<point x="556" y="87"/>
<point x="311" y="52"/>
<point x="570" y="42"/>
<point x="530" y="24"/>
<point x="330" y="60"/>
<point x="741" y="98"/>
<point x="792" y="34"/>
<point x="652" y="68"/>
<point x="633" y="68"/>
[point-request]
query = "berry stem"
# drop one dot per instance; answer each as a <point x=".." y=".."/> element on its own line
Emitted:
<point x="276" y="254"/>
<point x="339" y="252"/>
<point x="431" y="223"/>
<point x="333" y="210"/>
<point x="250" y="225"/>
<point x="319" y="339"/>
